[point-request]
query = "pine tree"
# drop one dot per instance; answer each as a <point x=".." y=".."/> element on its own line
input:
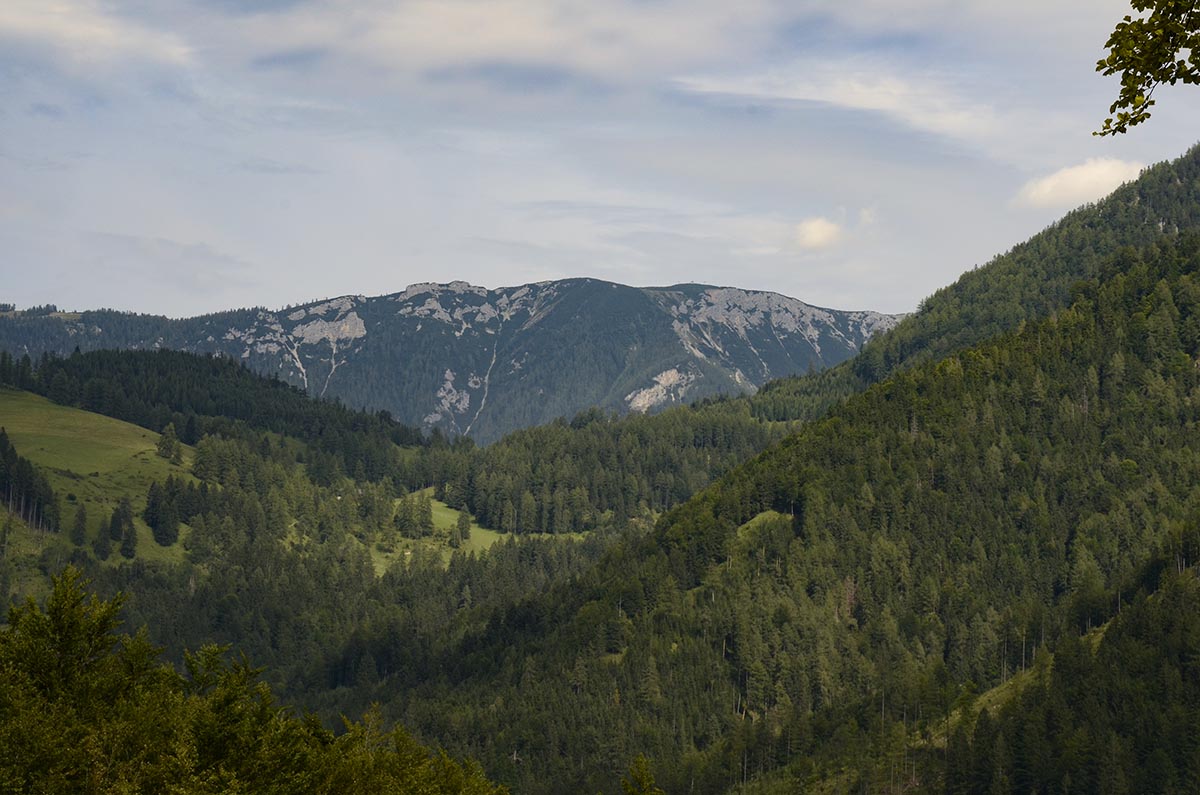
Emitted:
<point x="129" y="542"/>
<point x="425" y="513"/>
<point x="116" y="528"/>
<point x="79" y="529"/>
<point x="168" y="443"/>
<point x="463" y="526"/>
<point x="102" y="545"/>
<point x="5" y="535"/>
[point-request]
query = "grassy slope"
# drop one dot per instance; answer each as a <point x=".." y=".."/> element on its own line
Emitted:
<point x="444" y="519"/>
<point x="96" y="460"/>
<point x="89" y="459"/>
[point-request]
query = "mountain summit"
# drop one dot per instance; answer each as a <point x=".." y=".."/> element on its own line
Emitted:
<point x="470" y="360"/>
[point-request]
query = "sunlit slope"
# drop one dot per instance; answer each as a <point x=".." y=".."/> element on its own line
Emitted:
<point x="90" y="460"/>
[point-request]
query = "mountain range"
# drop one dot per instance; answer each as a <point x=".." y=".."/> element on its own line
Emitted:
<point x="962" y="562"/>
<point x="483" y="362"/>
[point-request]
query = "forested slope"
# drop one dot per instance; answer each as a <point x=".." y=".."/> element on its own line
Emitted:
<point x="814" y="614"/>
<point x="929" y="533"/>
<point x="85" y="710"/>
<point x="1116" y="719"/>
<point x="597" y="470"/>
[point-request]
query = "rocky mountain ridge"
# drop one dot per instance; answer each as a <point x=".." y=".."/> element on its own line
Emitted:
<point x="479" y="361"/>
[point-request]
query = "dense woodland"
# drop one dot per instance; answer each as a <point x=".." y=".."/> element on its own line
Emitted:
<point x="85" y="710"/>
<point x="596" y="471"/>
<point x="842" y="589"/>
<point x="25" y="492"/>
<point x="999" y="492"/>
<point x="1116" y="719"/>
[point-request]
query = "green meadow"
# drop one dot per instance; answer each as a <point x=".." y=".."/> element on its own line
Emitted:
<point x="90" y="460"/>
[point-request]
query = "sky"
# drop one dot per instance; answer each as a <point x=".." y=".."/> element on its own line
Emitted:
<point x="187" y="156"/>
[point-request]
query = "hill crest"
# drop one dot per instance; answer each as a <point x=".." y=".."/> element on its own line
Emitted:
<point x="485" y="361"/>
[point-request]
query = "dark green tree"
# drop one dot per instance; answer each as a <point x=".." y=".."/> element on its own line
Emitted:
<point x="129" y="542"/>
<point x="168" y="444"/>
<point x="116" y="527"/>
<point x="79" y="528"/>
<point x="102" y="544"/>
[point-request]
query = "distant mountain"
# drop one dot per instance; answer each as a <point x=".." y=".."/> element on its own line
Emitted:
<point x="470" y="360"/>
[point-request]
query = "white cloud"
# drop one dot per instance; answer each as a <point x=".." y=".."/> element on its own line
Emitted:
<point x="83" y="32"/>
<point x="611" y="41"/>
<point x="1069" y="187"/>
<point x="922" y="101"/>
<point x="817" y="233"/>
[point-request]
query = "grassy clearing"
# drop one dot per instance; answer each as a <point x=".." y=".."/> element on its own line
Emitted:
<point x="90" y="460"/>
<point x="444" y="519"/>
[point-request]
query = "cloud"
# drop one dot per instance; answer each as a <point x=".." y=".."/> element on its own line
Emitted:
<point x="83" y="32"/>
<point x="922" y="101"/>
<point x="817" y="233"/>
<point x="532" y="39"/>
<point x="1069" y="187"/>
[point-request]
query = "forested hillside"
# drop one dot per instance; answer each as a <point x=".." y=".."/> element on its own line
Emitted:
<point x="1119" y="718"/>
<point x="837" y="593"/>
<point x="821" y="613"/>
<point x="85" y="710"/>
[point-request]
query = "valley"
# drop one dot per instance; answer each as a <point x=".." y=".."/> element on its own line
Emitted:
<point x="902" y="573"/>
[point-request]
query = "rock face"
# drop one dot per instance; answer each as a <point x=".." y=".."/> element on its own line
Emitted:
<point x="484" y="362"/>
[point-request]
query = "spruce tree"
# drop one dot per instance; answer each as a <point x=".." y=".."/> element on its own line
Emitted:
<point x="129" y="542"/>
<point x="425" y="513"/>
<point x="405" y="522"/>
<point x="102" y="546"/>
<point x="168" y="443"/>
<point x="463" y="526"/>
<point x="5" y="535"/>
<point x="166" y="532"/>
<point x="79" y="529"/>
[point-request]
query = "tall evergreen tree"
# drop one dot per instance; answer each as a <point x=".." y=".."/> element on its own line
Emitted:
<point x="79" y="528"/>
<point x="102" y="544"/>
<point x="129" y="542"/>
<point x="168" y="443"/>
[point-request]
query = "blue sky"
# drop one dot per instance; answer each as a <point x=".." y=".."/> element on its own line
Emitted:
<point x="186" y="156"/>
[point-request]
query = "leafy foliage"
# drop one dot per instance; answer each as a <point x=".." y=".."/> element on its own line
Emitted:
<point x="1162" y="47"/>
<point x="82" y="709"/>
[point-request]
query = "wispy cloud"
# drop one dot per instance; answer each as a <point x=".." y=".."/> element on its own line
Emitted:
<point x="858" y="154"/>
<point x="921" y="101"/>
<point x="84" y="31"/>
<point x="1074" y="185"/>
